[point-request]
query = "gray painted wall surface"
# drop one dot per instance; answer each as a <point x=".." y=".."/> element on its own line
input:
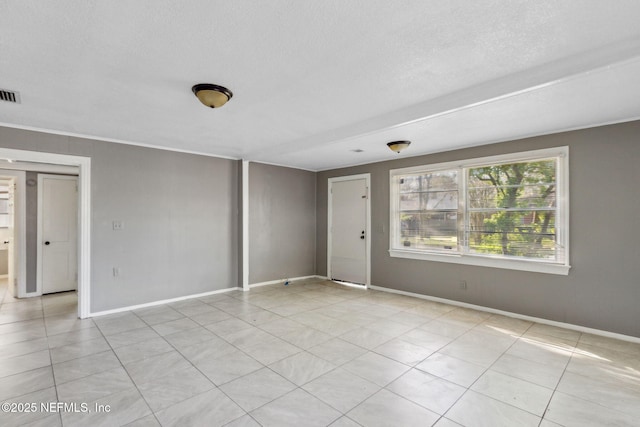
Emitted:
<point x="4" y="261"/>
<point x="282" y="223"/>
<point x="179" y="213"/>
<point x="31" y="224"/>
<point x="602" y="290"/>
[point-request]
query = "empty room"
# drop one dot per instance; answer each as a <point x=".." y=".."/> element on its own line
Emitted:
<point x="319" y="213"/>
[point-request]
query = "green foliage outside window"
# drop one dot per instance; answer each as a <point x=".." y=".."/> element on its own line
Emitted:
<point x="512" y="209"/>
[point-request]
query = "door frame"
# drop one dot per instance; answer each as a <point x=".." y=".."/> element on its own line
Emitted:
<point x="19" y="231"/>
<point x="40" y="237"/>
<point x="10" y="180"/>
<point x="367" y="178"/>
<point x="84" y="217"/>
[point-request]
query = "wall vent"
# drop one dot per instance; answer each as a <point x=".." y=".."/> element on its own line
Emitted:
<point x="9" y="96"/>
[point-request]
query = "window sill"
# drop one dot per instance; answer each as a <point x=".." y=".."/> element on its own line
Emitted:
<point x="508" y="264"/>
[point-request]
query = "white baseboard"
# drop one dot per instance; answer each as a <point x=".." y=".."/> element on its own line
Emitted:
<point x="160" y="302"/>
<point x="293" y="279"/>
<point x="219" y="291"/>
<point x="514" y="315"/>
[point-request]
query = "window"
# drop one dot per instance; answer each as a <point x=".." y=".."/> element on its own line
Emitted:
<point x="506" y="211"/>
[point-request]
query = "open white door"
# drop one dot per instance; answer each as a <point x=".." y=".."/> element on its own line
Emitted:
<point x="349" y="229"/>
<point x="57" y="233"/>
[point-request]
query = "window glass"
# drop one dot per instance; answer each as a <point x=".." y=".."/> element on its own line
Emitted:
<point x="512" y="208"/>
<point x="429" y="210"/>
<point x="506" y="207"/>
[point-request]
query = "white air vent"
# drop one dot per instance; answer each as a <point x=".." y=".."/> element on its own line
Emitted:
<point x="9" y="96"/>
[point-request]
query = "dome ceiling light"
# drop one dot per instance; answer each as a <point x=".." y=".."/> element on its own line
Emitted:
<point x="211" y="95"/>
<point x="398" y="146"/>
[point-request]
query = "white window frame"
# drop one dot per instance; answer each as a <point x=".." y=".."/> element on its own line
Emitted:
<point x="464" y="257"/>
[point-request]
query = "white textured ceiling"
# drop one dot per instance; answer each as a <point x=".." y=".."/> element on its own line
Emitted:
<point x="314" y="80"/>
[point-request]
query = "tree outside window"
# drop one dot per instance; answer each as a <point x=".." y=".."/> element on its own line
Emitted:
<point x="511" y="207"/>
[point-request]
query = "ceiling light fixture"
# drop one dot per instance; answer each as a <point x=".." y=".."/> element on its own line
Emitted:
<point x="213" y="96"/>
<point x="398" y="146"/>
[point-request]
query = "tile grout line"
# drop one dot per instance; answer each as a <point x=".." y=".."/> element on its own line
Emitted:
<point x="555" y="389"/>
<point x="484" y="372"/>
<point x="196" y="368"/>
<point x="366" y="299"/>
<point x="53" y="375"/>
<point x="297" y="387"/>
<point x="129" y="375"/>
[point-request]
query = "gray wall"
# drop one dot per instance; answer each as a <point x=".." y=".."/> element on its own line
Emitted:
<point x="602" y="290"/>
<point x="282" y="223"/>
<point x="4" y="262"/>
<point x="31" y="224"/>
<point x="179" y="212"/>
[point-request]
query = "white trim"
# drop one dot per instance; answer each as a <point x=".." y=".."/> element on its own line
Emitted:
<point x="84" y="249"/>
<point x="19" y="231"/>
<point x="245" y="225"/>
<point x="462" y="256"/>
<point x="295" y="279"/>
<point x="562" y="199"/>
<point x="39" y="167"/>
<point x="349" y="284"/>
<point x="3" y="276"/>
<point x="160" y="302"/>
<point x="40" y="219"/>
<point x="280" y="165"/>
<point x="40" y="197"/>
<point x="513" y="315"/>
<point x="367" y="178"/>
<point x="484" y="261"/>
<point x="84" y="219"/>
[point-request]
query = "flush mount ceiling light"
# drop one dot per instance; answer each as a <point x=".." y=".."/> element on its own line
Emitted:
<point x="398" y="146"/>
<point x="213" y="96"/>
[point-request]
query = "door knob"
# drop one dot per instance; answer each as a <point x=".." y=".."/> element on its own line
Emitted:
<point x="6" y="242"/>
<point x="47" y="243"/>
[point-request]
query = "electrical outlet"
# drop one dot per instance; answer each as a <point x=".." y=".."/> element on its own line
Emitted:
<point x="118" y="225"/>
<point x="463" y="285"/>
<point x="116" y="271"/>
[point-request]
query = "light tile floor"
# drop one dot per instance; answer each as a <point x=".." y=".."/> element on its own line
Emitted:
<point x="308" y="354"/>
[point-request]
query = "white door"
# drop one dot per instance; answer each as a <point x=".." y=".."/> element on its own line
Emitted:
<point x="349" y="230"/>
<point x="57" y="232"/>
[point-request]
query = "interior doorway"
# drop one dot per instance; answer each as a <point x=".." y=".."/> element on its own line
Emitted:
<point x="12" y="231"/>
<point x="6" y="228"/>
<point x="54" y="163"/>
<point x="349" y="229"/>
